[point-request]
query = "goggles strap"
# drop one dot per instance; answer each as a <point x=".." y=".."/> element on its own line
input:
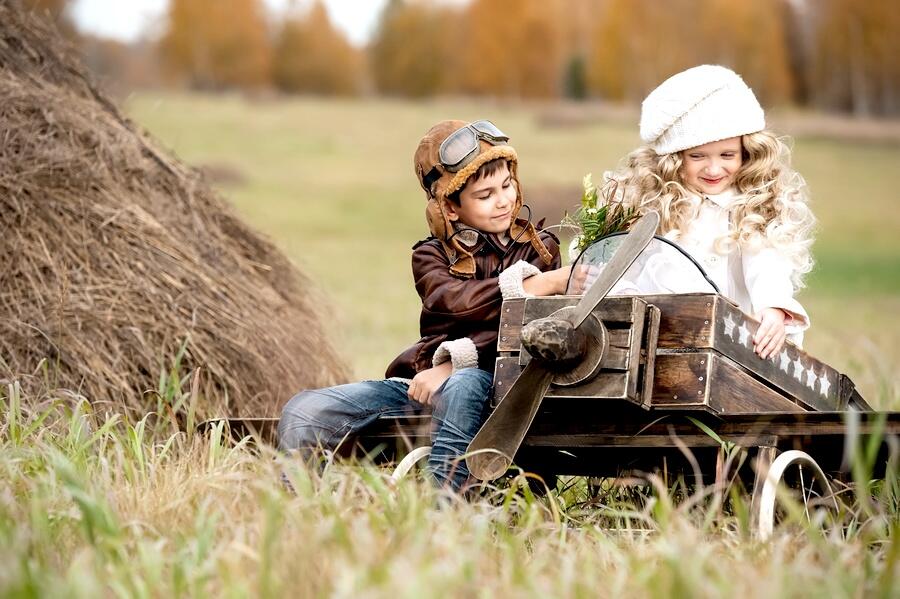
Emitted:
<point x="429" y="179"/>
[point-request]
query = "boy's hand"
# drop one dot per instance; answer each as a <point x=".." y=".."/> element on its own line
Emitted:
<point x="769" y="338"/>
<point x="552" y="282"/>
<point x="425" y="383"/>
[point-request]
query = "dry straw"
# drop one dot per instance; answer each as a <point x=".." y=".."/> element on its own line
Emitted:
<point x="113" y="254"/>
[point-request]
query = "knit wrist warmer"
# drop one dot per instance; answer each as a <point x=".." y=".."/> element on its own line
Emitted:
<point x="510" y="280"/>
<point x="462" y="353"/>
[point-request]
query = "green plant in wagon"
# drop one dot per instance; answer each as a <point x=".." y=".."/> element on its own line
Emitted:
<point x="597" y="216"/>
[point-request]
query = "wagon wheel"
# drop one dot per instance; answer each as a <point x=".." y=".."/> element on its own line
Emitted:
<point x="407" y="463"/>
<point x="795" y="486"/>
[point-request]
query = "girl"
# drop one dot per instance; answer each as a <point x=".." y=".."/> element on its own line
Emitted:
<point x="725" y="192"/>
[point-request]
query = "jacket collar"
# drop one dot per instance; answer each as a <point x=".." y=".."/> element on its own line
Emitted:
<point x="467" y="237"/>
<point x="473" y="240"/>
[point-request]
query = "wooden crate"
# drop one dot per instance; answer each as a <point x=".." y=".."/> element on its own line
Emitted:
<point x="626" y="319"/>
<point x="697" y="356"/>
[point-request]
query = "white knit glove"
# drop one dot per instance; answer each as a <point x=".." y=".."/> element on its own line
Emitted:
<point x="510" y="280"/>
<point x="462" y="353"/>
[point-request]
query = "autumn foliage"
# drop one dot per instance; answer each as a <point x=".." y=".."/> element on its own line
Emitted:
<point x="213" y="44"/>
<point x="415" y="50"/>
<point x="833" y="54"/>
<point x="311" y="56"/>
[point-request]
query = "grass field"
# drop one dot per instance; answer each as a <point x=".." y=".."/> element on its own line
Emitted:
<point x="91" y="505"/>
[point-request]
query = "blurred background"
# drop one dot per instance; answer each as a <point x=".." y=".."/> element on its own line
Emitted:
<point x="305" y="115"/>
<point x="837" y="55"/>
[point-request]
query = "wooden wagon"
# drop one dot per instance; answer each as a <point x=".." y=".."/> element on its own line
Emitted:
<point x="679" y="367"/>
<point x="676" y="379"/>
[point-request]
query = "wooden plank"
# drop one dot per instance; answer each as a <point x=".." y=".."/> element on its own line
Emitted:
<point x="511" y="313"/>
<point x="806" y="424"/>
<point x="734" y="390"/>
<point x="615" y="358"/>
<point x="611" y="309"/>
<point x="619" y="337"/>
<point x="847" y="390"/>
<point x="648" y="355"/>
<point x="512" y="318"/>
<point x="815" y="384"/>
<point x="571" y="440"/>
<point x="606" y="385"/>
<point x="666" y="440"/>
<point x="681" y="380"/>
<point x="764" y="458"/>
<point x="638" y="315"/>
<point x="686" y="320"/>
<point x="628" y="420"/>
<point x="505" y="372"/>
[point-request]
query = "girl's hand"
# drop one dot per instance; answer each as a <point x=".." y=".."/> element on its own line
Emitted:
<point x="769" y="338"/>
<point x="583" y="277"/>
<point x="425" y="383"/>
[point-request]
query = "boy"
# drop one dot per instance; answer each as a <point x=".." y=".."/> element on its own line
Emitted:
<point x="479" y="253"/>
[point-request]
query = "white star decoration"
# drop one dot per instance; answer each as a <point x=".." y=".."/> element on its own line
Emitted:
<point x="798" y="369"/>
<point x="824" y="384"/>
<point x="744" y="332"/>
<point x="785" y="363"/>
<point x="811" y="378"/>
<point x="729" y="326"/>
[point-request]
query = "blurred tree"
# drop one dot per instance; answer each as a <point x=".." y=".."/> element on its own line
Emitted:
<point x="798" y="29"/>
<point x="311" y="56"/>
<point x="576" y="20"/>
<point x="750" y="38"/>
<point x="414" y="50"/>
<point x="516" y="52"/>
<point x="639" y="43"/>
<point x="576" y="79"/>
<point x="857" y="56"/>
<point x="215" y="44"/>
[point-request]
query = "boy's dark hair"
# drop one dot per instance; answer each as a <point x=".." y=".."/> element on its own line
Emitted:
<point x="485" y="170"/>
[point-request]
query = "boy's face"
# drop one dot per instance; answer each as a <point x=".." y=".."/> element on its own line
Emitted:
<point x="486" y="204"/>
<point x="710" y="169"/>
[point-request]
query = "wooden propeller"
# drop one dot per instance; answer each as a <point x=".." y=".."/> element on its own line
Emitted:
<point x="566" y="348"/>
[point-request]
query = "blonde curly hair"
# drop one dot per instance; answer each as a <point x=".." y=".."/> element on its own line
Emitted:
<point x="772" y="207"/>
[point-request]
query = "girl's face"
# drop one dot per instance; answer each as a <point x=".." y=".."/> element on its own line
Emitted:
<point x="710" y="169"/>
<point x="486" y="204"/>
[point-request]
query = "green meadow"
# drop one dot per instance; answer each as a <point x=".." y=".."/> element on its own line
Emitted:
<point x="331" y="182"/>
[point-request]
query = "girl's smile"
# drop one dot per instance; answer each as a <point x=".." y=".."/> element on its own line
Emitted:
<point x="710" y="169"/>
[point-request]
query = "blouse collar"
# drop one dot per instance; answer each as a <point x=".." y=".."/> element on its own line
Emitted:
<point x="722" y="200"/>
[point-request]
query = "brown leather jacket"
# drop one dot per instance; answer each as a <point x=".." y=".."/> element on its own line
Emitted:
<point x="453" y="307"/>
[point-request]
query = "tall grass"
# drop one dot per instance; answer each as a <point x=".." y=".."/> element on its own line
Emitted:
<point x="94" y="505"/>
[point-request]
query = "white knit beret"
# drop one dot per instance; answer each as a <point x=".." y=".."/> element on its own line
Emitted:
<point x="698" y="106"/>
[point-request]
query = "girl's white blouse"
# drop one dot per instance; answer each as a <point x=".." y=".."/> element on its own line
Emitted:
<point x="752" y="279"/>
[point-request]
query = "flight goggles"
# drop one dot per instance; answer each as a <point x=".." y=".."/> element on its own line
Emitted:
<point x="461" y="147"/>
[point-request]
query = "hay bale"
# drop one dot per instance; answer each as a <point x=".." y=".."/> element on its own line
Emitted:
<point x="113" y="253"/>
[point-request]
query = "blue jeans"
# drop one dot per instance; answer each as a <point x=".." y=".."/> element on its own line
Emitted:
<point x="323" y="418"/>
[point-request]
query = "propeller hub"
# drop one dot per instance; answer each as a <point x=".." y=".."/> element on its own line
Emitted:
<point x="554" y="341"/>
